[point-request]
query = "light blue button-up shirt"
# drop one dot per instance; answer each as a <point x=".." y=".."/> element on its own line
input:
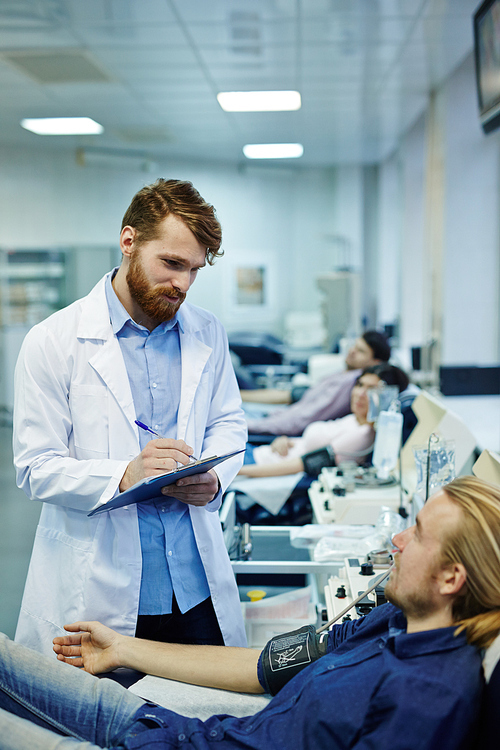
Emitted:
<point x="171" y="562"/>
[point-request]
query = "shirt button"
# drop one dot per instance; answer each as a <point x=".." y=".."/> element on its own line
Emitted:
<point x="331" y="666"/>
<point x="154" y="385"/>
<point x="170" y="553"/>
<point x="213" y="733"/>
<point x="182" y="737"/>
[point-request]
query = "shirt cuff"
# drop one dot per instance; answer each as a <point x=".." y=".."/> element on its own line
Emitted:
<point x="216" y="501"/>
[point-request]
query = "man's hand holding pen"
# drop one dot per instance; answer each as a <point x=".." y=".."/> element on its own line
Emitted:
<point x="165" y="454"/>
<point x="157" y="457"/>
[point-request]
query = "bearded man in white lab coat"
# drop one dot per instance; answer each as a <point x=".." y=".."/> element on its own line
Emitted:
<point x="129" y="351"/>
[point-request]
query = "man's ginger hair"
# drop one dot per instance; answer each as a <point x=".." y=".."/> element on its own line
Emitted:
<point x="151" y="205"/>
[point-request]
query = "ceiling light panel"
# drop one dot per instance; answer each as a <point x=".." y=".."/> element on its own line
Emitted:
<point x="273" y="150"/>
<point x="259" y="101"/>
<point x="62" y="126"/>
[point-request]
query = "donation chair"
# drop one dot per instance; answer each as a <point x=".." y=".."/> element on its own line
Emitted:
<point x="488" y="733"/>
<point x="256" y="348"/>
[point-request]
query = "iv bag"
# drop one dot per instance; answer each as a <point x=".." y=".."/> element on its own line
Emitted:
<point x="380" y="399"/>
<point x="441" y="463"/>
<point x="387" y="442"/>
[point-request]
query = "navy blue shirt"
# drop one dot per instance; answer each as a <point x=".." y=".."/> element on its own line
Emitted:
<point x="377" y="688"/>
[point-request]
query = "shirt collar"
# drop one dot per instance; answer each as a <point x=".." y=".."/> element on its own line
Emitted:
<point x="119" y="317"/>
<point x="406" y="645"/>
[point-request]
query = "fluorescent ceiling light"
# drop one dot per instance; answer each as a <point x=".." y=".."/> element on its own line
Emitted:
<point x="63" y="126"/>
<point x="259" y="101"/>
<point x="273" y="150"/>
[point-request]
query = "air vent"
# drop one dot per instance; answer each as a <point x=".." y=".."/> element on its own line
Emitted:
<point x="32" y="15"/>
<point x="245" y="33"/>
<point x="65" y="66"/>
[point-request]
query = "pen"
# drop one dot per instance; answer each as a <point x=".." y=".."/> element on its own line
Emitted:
<point x="148" y="429"/>
<point x="156" y="434"/>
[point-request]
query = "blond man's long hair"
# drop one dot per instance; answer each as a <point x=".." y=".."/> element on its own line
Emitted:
<point x="475" y="543"/>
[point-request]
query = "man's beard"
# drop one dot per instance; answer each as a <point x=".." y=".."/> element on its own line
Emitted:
<point x="150" y="299"/>
<point x="417" y="604"/>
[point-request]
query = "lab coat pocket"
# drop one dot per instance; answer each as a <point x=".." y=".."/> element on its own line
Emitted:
<point x="69" y="559"/>
<point x="89" y="412"/>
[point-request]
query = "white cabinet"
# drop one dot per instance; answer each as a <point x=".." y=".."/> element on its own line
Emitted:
<point x="32" y="286"/>
<point x="34" y="283"/>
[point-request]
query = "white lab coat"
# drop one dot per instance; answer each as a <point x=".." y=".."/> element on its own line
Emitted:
<point x="74" y="435"/>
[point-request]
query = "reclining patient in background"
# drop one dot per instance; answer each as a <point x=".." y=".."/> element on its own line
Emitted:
<point x="328" y="399"/>
<point x="406" y="675"/>
<point x="350" y="437"/>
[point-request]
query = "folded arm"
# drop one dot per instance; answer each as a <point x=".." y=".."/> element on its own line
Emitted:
<point x="96" y="648"/>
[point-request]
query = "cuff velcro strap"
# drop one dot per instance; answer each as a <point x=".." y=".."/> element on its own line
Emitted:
<point x="286" y="655"/>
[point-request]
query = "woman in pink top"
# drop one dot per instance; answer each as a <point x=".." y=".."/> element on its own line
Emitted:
<point x="349" y="437"/>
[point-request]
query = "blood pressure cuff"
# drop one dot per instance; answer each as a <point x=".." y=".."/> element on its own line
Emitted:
<point x="317" y="460"/>
<point x="286" y="655"/>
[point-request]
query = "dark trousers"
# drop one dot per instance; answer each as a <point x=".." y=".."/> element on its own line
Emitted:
<point x="197" y="625"/>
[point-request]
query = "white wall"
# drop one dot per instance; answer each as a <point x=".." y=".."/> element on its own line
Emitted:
<point x="389" y="242"/>
<point x="471" y="279"/>
<point x="287" y="219"/>
<point x="470" y="276"/>
<point x="412" y="159"/>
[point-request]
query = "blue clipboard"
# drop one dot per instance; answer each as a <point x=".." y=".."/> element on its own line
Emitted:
<point x="150" y="487"/>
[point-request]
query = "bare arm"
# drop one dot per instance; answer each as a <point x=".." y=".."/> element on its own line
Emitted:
<point x="266" y="396"/>
<point x="288" y="466"/>
<point x="99" y="649"/>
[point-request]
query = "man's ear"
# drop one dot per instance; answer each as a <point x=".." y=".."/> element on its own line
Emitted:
<point x="452" y="579"/>
<point x="127" y="238"/>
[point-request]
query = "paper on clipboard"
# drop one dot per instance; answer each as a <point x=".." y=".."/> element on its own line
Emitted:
<point x="150" y="487"/>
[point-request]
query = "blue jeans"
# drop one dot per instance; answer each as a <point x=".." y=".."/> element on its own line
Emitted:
<point x="48" y="705"/>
